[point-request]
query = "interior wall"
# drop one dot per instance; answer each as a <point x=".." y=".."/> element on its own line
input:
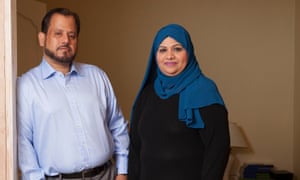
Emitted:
<point x="246" y="46"/>
<point x="297" y="92"/>
<point x="29" y="21"/>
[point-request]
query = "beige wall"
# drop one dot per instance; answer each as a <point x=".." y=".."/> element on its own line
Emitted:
<point x="29" y="23"/>
<point x="246" y="46"/>
<point x="297" y="92"/>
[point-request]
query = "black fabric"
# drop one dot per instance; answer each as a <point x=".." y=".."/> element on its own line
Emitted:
<point x="163" y="148"/>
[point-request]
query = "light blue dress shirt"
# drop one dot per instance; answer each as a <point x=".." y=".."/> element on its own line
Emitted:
<point x="68" y="123"/>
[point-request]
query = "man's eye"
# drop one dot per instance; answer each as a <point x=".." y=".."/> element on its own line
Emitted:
<point x="72" y="36"/>
<point x="57" y="33"/>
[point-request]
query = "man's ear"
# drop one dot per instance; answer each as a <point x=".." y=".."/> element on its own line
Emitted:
<point x="42" y="37"/>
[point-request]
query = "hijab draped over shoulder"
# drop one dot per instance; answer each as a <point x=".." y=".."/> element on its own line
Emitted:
<point x="194" y="88"/>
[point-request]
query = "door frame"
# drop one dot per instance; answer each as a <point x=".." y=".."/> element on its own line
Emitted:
<point x="8" y="69"/>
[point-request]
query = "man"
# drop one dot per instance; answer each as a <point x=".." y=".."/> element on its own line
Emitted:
<point x="69" y="123"/>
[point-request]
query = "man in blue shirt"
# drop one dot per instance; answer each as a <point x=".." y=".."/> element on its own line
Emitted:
<point x="69" y="123"/>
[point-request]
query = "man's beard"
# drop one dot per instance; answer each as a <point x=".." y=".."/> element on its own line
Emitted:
<point x="63" y="59"/>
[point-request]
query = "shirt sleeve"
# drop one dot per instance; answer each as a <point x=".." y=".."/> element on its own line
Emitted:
<point x="27" y="157"/>
<point x="216" y="139"/>
<point x="119" y="130"/>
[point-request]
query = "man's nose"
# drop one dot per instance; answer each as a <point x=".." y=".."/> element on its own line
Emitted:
<point x="65" y="38"/>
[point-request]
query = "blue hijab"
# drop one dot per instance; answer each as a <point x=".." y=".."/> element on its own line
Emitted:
<point x="194" y="89"/>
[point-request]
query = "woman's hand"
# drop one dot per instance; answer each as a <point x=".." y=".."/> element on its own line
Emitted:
<point x="121" y="177"/>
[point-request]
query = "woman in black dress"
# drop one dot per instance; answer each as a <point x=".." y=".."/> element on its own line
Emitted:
<point x="179" y="124"/>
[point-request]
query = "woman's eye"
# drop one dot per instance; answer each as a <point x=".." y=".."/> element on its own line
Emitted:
<point x="162" y="50"/>
<point x="178" y="49"/>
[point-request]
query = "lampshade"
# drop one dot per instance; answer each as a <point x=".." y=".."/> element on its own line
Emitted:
<point x="237" y="139"/>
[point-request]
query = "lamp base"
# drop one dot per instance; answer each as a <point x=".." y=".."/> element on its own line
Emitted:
<point x="231" y="171"/>
<point x="228" y="167"/>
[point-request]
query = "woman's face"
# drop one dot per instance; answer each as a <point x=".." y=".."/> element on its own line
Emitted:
<point x="171" y="57"/>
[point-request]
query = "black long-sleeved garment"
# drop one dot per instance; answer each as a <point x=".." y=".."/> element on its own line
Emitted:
<point x="164" y="148"/>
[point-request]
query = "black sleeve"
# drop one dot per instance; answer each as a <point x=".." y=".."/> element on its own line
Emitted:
<point x="134" y="146"/>
<point x="216" y="139"/>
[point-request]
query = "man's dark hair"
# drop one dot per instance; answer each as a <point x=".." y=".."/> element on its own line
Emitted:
<point x="63" y="11"/>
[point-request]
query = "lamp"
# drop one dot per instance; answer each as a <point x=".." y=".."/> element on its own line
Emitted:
<point x="237" y="141"/>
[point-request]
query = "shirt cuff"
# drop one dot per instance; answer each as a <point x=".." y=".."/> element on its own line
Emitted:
<point x="38" y="175"/>
<point x="122" y="164"/>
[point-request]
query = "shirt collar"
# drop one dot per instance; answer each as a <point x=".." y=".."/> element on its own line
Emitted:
<point x="48" y="71"/>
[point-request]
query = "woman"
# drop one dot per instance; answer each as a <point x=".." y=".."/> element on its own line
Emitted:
<point x="179" y="125"/>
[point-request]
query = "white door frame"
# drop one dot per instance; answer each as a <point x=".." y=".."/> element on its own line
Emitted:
<point x="8" y="67"/>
